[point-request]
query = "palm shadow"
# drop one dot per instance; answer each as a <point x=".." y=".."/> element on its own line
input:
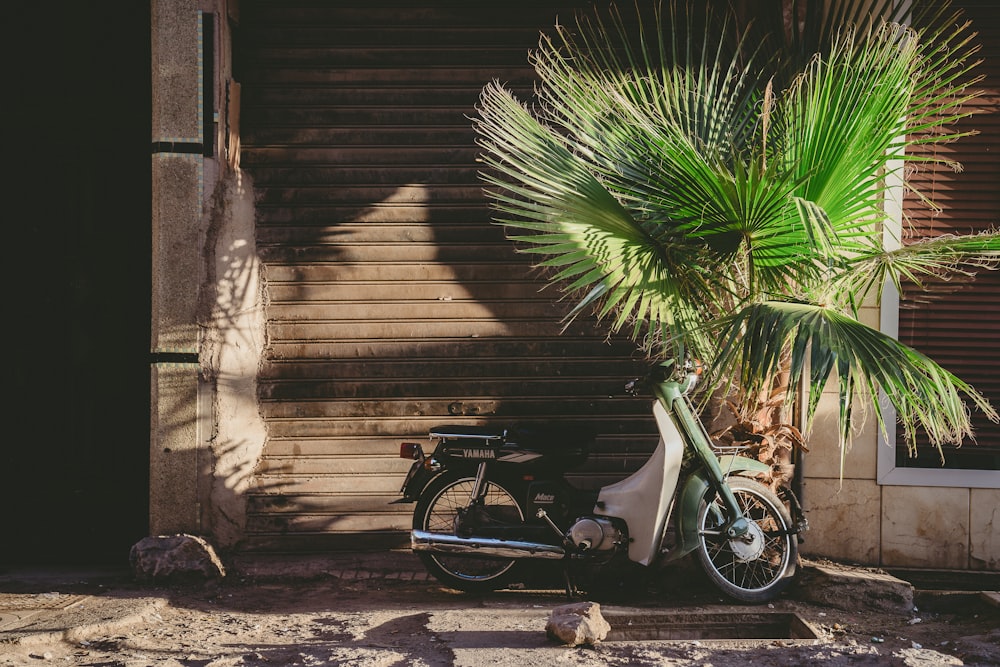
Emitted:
<point x="395" y="302"/>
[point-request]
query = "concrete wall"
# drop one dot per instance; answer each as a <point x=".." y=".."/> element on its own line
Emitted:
<point x="207" y="325"/>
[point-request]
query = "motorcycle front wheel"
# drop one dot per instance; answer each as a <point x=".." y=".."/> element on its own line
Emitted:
<point x="758" y="566"/>
<point x="437" y="511"/>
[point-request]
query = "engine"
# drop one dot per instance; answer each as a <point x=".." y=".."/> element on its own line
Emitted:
<point x="595" y="533"/>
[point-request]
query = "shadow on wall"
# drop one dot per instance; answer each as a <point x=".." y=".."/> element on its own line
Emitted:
<point x="231" y="313"/>
<point x="392" y="301"/>
<point x="396" y="320"/>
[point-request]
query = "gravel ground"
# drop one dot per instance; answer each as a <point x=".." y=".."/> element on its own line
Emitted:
<point x="372" y="620"/>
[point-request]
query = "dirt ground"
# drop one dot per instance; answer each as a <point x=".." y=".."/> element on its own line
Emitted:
<point x="374" y="621"/>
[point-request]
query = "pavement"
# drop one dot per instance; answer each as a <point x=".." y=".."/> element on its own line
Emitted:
<point x="41" y="605"/>
<point x="53" y="604"/>
<point x="46" y="604"/>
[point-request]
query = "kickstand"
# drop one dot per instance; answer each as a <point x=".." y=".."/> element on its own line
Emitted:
<point x="572" y="592"/>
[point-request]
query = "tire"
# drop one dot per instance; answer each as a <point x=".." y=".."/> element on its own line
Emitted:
<point x="436" y="512"/>
<point x="750" y="570"/>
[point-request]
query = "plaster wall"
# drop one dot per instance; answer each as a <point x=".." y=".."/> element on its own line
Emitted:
<point x="233" y="343"/>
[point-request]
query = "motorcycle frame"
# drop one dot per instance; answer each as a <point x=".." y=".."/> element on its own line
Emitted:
<point x="710" y="474"/>
<point x="645" y="500"/>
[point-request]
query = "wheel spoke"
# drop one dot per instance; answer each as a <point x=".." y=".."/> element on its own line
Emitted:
<point x="442" y="516"/>
<point x="756" y="566"/>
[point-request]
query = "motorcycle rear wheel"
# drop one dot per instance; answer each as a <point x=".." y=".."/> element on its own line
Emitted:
<point x="759" y="566"/>
<point x="437" y="512"/>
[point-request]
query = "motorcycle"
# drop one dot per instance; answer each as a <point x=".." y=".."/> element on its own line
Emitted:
<point x="490" y="498"/>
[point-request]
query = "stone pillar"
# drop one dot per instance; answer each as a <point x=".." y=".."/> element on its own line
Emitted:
<point x="177" y="270"/>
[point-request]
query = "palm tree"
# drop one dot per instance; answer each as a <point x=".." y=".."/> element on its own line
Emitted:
<point x="719" y="190"/>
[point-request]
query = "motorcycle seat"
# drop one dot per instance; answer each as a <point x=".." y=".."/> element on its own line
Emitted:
<point x="555" y="444"/>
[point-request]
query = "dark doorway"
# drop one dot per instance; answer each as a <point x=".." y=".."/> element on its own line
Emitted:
<point x="78" y="198"/>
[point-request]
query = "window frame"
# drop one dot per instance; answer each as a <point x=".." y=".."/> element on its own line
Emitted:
<point x="887" y="472"/>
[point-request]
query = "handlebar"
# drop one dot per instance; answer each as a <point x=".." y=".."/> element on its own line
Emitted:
<point x="687" y="376"/>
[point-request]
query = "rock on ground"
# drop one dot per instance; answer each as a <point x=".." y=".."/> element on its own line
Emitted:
<point x="577" y="623"/>
<point x="174" y="557"/>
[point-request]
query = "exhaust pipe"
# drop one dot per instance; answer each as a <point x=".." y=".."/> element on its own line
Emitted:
<point x="482" y="546"/>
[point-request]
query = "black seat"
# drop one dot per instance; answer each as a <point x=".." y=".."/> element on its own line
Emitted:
<point x="539" y="438"/>
<point x="560" y="447"/>
<point x="566" y="441"/>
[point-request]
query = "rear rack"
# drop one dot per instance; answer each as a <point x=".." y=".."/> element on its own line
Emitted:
<point x="729" y="450"/>
<point x="453" y="432"/>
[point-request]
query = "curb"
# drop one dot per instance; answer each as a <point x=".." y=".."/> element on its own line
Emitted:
<point x="348" y="566"/>
<point x="853" y="588"/>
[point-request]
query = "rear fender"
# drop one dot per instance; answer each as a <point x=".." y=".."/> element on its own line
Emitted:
<point x="422" y="472"/>
<point x="417" y="479"/>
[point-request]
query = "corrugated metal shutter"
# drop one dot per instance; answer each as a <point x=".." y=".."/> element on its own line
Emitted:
<point x="395" y="304"/>
<point x="962" y="329"/>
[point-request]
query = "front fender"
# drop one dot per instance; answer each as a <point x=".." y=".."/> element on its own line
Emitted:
<point x="693" y="493"/>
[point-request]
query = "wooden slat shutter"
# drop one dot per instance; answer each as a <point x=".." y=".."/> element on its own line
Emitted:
<point x="395" y="304"/>
<point x="961" y="330"/>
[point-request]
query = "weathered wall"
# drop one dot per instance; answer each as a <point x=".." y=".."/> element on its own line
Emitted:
<point x="232" y="347"/>
<point x="207" y="326"/>
<point x="178" y="239"/>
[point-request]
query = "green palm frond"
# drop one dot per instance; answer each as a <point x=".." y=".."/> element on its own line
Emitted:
<point x="658" y="139"/>
<point x="589" y="237"/>
<point x="948" y="258"/>
<point x="823" y="342"/>
<point x="688" y="178"/>
<point x="841" y="119"/>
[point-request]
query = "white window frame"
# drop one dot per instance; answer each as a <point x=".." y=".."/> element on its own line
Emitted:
<point x="887" y="473"/>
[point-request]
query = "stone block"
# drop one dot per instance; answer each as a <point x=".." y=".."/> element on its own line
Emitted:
<point x="175" y="70"/>
<point x="925" y="527"/>
<point x="843" y="519"/>
<point x="175" y="557"/>
<point x="823" y="457"/>
<point x="174" y="494"/>
<point x="984" y="531"/>
<point x="178" y="263"/>
<point x="853" y="588"/>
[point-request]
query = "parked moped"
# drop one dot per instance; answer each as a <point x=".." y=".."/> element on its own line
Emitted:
<point x="490" y="498"/>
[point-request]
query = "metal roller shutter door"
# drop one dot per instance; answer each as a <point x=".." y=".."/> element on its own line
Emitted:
<point x="395" y="304"/>
<point x="962" y="329"/>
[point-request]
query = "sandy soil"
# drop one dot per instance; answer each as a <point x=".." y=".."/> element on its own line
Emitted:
<point x="383" y="623"/>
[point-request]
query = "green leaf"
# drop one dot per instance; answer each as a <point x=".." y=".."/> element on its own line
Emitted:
<point x="821" y="340"/>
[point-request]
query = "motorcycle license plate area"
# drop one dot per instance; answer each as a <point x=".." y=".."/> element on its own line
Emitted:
<point x="650" y="625"/>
